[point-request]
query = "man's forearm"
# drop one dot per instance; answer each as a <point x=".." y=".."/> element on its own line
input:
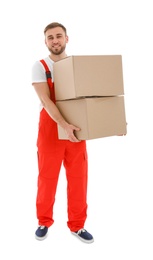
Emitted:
<point x="54" y="112"/>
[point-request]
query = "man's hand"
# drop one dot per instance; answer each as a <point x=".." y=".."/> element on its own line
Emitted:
<point x="69" y="129"/>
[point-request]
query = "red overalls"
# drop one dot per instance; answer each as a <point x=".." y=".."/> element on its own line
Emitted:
<point x="51" y="153"/>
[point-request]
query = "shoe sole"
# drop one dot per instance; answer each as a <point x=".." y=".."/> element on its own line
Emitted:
<point x="82" y="239"/>
<point x="41" y="238"/>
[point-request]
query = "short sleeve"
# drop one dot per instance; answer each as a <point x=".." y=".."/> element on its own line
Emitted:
<point x="38" y="73"/>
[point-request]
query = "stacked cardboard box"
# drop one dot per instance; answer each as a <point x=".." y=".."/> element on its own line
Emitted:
<point x="89" y="93"/>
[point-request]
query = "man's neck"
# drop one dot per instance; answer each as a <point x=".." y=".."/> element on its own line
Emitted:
<point x="57" y="57"/>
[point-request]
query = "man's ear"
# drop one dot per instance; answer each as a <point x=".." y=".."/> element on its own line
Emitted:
<point x="67" y="39"/>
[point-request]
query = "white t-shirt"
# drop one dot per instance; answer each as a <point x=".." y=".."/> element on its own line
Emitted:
<point x="38" y="71"/>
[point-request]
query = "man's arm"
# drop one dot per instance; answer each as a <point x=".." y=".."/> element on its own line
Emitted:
<point x="43" y="93"/>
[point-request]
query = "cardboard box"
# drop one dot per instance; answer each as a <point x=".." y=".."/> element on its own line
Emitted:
<point x="83" y="76"/>
<point x="97" y="117"/>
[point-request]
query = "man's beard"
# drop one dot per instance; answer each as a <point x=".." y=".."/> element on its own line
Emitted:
<point x="57" y="51"/>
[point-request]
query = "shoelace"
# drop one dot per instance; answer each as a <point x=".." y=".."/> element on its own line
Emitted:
<point x="42" y="227"/>
<point x="81" y="230"/>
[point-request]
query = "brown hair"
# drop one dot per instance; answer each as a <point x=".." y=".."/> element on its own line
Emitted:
<point x="54" y="25"/>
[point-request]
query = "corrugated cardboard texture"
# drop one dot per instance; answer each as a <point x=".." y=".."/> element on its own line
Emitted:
<point x="83" y="76"/>
<point x="97" y="117"/>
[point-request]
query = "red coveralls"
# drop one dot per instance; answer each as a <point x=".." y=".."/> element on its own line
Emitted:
<point x="52" y="152"/>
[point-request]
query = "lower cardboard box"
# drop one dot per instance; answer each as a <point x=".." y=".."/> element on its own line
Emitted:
<point x="97" y="117"/>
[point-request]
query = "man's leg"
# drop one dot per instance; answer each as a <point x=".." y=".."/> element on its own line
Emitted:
<point x="76" y="164"/>
<point x="49" y="164"/>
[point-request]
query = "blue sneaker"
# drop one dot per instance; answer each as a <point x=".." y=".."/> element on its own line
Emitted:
<point x="84" y="236"/>
<point x="41" y="232"/>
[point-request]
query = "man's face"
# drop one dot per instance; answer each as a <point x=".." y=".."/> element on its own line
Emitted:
<point x="56" y="40"/>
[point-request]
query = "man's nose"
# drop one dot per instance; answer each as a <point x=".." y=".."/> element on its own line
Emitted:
<point x="55" y="41"/>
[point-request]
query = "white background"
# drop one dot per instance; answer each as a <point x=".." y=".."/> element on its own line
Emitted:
<point x="120" y="193"/>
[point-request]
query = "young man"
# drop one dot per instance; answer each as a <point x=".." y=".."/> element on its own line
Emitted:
<point x="52" y="152"/>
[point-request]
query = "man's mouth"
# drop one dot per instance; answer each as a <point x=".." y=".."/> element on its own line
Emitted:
<point x="56" y="47"/>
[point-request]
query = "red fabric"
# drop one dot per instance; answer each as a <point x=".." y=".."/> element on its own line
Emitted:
<point x="52" y="152"/>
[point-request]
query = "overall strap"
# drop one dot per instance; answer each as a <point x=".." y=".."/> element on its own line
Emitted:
<point x="49" y="80"/>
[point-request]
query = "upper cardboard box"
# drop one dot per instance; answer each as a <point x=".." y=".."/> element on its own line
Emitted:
<point x="85" y="76"/>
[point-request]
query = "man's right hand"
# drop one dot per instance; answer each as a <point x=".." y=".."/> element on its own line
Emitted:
<point x="69" y="129"/>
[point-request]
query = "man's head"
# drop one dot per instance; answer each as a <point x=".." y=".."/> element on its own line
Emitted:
<point x="55" y="38"/>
